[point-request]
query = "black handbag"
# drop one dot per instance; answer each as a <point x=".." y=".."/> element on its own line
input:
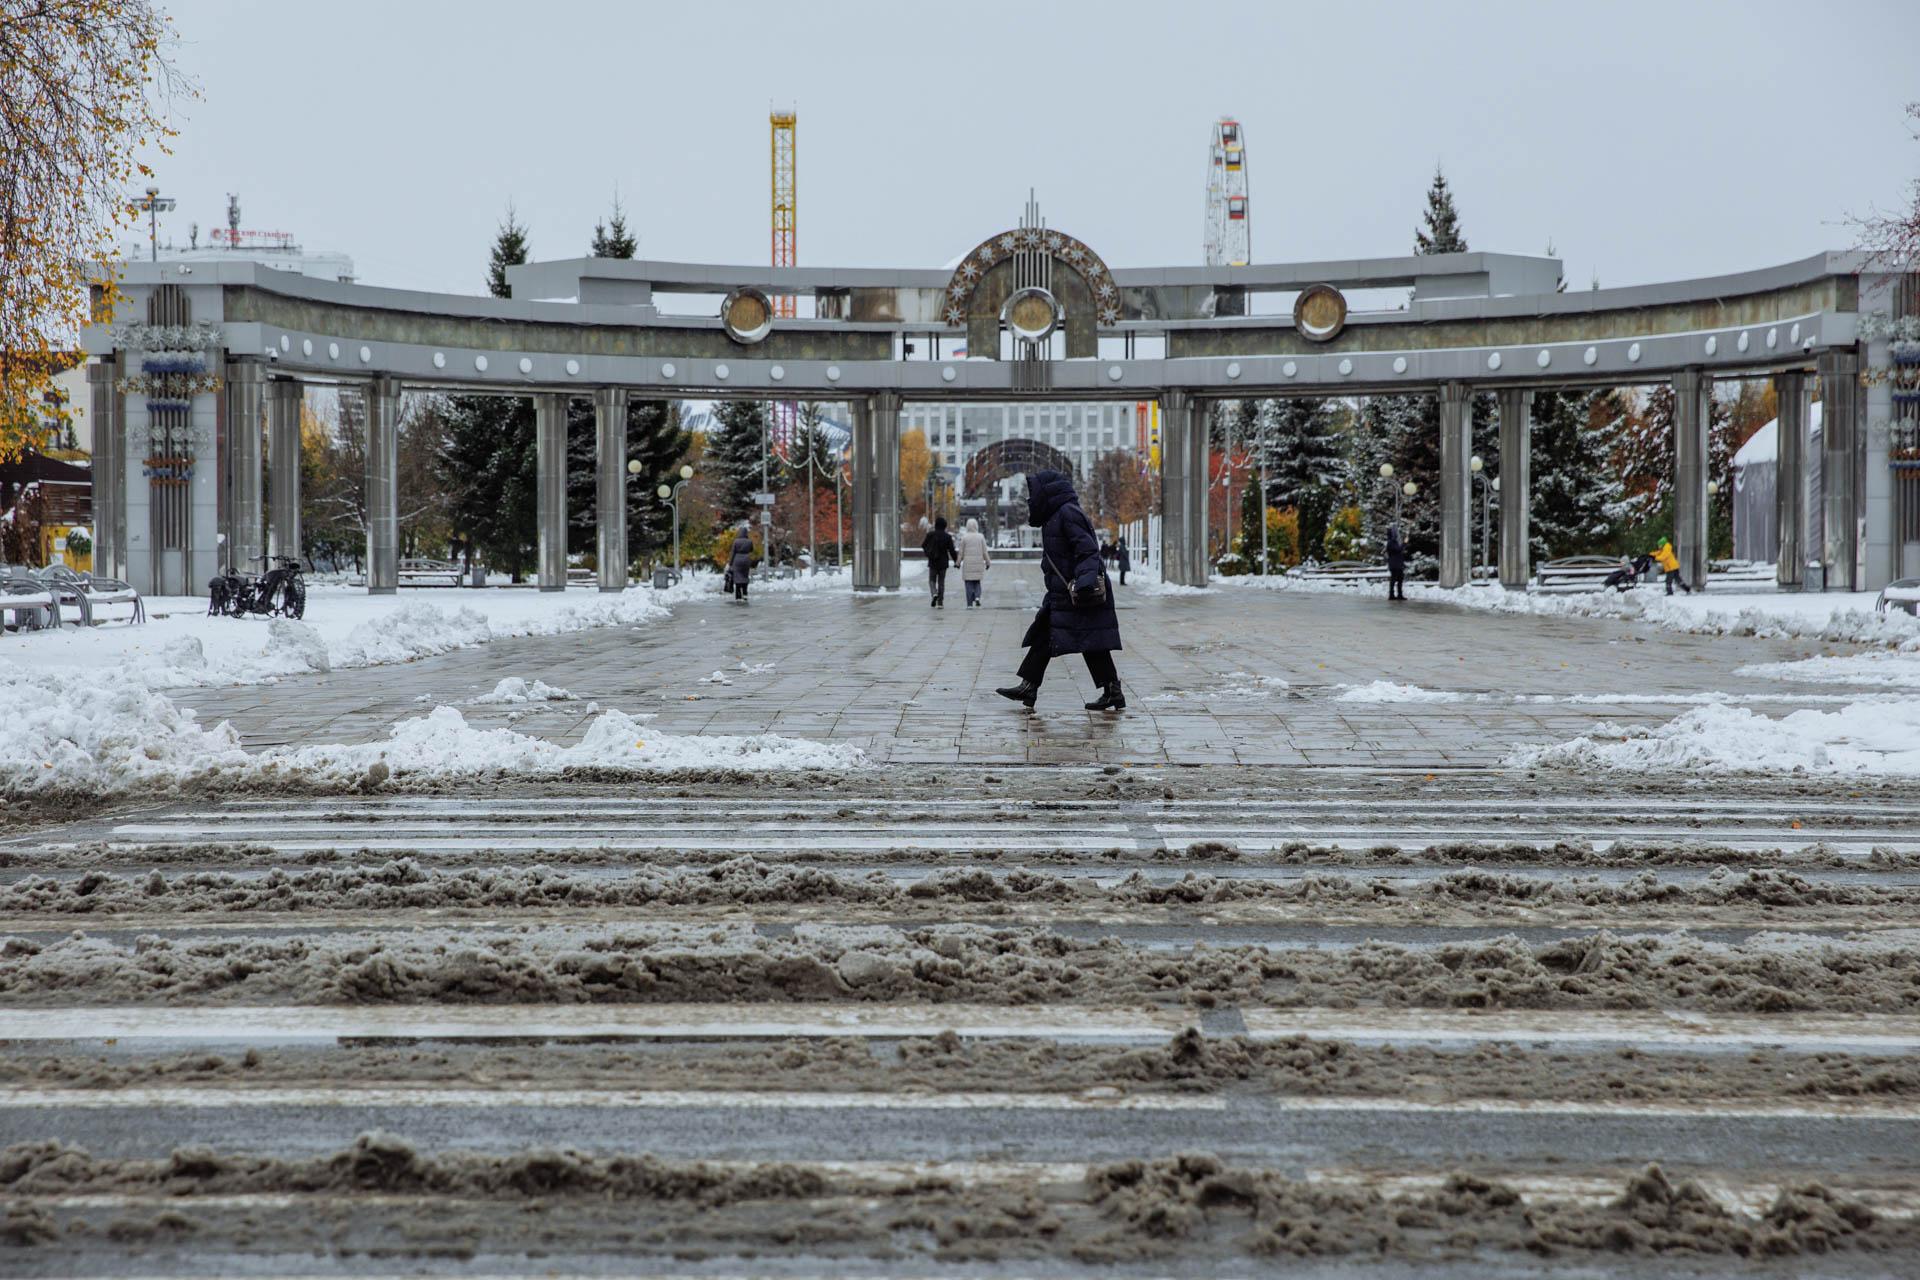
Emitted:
<point x="1094" y="597"/>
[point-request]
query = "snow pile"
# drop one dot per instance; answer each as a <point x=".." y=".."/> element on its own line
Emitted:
<point x="1900" y="670"/>
<point x="1879" y="737"/>
<point x="514" y="690"/>
<point x="414" y="630"/>
<point x="1388" y="691"/>
<point x="1835" y="619"/>
<point x="718" y="677"/>
<point x="68" y="734"/>
<point x="72" y="733"/>
<point x="441" y="746"/>
<point x="295" y="644"/>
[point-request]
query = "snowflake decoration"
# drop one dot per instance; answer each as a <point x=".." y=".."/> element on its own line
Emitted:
<point x="969" y="271"/>
<point x="1007" y="241"/>
<point x="1106" y="290"/>
<point x="955" y="316"/>
<point x="1053" y="240"/>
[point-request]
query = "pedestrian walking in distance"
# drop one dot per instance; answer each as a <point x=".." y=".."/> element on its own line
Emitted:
<point x="974" y="561"/>
<point x="1077" y="613"/>
<point x="1122" y="558"/>
<point x="1396" y="565"/>
<point x="1670" y="565"/>
<point x="941" y="553"/>
<point x="740" y="562"/>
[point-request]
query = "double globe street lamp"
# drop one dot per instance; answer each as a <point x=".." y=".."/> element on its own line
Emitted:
<point x="1409" y="489"/>
<point x="670" y="494"/>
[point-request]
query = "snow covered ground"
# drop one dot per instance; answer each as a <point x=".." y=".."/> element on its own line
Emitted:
<point x="345" y="627"/>
<point x="85" y="709"/>
<point x="1836" y="617"/>
<point x="1877" y="737"/>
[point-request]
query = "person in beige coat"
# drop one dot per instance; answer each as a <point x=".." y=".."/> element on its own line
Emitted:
<point x="974" y="561"/>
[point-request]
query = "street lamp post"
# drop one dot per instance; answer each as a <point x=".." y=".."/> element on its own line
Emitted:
<point x="670" y="494"/>
<point x="1493" y="500"/>
<point x="1479" y="469"/>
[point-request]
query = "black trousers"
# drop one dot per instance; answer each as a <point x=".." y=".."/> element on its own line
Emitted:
<point x="1033" y="667"/>
<point x="1396" y="585"/>
<point x="1673" y="580"/>
<point x="937" y="580"/>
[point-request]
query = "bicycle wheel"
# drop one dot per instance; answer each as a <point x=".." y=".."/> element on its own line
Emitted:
<point x="296" y="599"/>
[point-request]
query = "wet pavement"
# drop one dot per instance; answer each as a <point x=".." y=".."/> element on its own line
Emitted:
<point x="1233" y="677"/>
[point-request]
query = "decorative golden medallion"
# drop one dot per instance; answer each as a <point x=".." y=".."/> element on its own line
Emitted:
<point x="1320" y="313"/>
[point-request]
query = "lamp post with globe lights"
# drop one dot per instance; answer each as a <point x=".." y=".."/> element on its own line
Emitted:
<point x="670" y="494"/>
<point x="1489" y="486"/>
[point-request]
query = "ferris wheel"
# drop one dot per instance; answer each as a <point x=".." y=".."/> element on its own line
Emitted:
<point x="1228" y="236"/>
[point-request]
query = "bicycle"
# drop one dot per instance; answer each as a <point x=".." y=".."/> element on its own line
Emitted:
<point x="280" y="591"/>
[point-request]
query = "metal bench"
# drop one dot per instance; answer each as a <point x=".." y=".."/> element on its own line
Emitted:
<point x="1576" y="573"/>
<point x="33" y="606"/>
<point x="88" y="594"/>
<point x="1355" y="571"/>
<point x="418" y="571"/>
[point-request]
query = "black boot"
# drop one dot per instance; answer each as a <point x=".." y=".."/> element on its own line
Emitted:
<point x="1110" y="699"/>
<point x="1025" y="692"/>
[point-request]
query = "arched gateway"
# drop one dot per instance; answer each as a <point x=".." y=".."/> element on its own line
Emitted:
<point x="590" y="329"/>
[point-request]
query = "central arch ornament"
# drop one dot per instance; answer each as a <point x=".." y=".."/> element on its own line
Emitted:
<point x="1013" y="456"/>
<point x="991" y="276"/>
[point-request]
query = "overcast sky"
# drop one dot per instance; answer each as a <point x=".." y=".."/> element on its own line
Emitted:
<point x="1647" y="140"/>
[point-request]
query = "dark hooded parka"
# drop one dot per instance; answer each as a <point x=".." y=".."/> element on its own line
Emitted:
<point x="1071" y="555"/>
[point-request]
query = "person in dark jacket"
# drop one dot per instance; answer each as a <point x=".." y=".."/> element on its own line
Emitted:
<point x="1122" y="558"/>
<point x="1396" y="565"/>
<point x="740" y="562"/>
<point x="1077" y="614"/>
<point x="941" y="553"/>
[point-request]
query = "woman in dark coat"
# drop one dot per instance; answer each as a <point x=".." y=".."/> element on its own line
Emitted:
<point x="1396" y="565"/>
<point x="1122" y="557"/>
<point x="1071" y="568"/>
<point x="740" y="562"/>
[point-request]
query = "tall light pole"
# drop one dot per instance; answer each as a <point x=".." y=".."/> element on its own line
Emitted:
<point x="1494" y="496"/>
<point x="1479" y="469"/>
<point x="153" y="204"/>
<point x="670" y="494"/>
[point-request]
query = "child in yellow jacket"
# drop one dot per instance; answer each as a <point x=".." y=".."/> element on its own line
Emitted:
<point x="1670" y="565"/>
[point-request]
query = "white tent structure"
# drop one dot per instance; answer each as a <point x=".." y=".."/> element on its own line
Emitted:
<point x="1756" y="507"/>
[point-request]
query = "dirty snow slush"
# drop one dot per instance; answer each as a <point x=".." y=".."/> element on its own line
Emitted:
<point x="1206" y="1021"/>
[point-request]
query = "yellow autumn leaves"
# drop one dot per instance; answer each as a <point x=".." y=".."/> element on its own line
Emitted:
<point x="84" y="87"/>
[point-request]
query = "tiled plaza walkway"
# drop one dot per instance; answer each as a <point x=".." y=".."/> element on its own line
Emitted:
<point x="913" y="684"/>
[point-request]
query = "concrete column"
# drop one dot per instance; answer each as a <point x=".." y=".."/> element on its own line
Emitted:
<point x="550" y="487"/>
<point x="610" y="457"/>
<point x="246" y="388"/>
<point x="1843" y="469"/>
<point x="284" y="397"/>
<point x="1516" y="488"/>
<point x="1183" y="490"/>
<point x="1790" y="492"/>
<point x="383" y="487"/>
<point x="106" y="409"/>
<point x="876" y="493"/>
<point x="1692" y="415"/>
<point x="1456" y="484"/>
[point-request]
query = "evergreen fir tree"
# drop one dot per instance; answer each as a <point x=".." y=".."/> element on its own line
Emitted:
<point x="510" y="248"/>
<point x="1252" y="515"/>
<point x="1442" y="233"/>
<point x="733" y="458"/>
<point x="487" y="462"/>
<point x="1576" y="490"/>
<point x="611" y="238"/>
<point x="1643" y="458"/>
<point x="657" y="438"/>
<point x="1306" y="465"/>
<point x="488" y="467"/>
<point x="1406" y="430"/>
